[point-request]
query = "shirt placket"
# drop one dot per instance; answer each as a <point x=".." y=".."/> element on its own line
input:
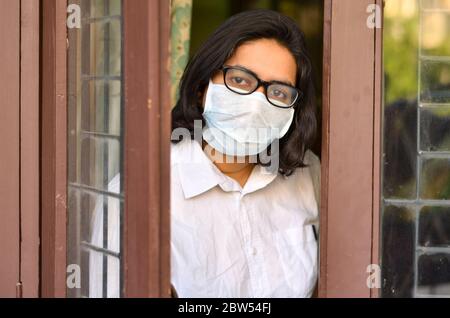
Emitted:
<point x="253" y="250"/>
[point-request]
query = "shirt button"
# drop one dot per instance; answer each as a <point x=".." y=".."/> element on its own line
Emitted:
<point x="254" y="251"/>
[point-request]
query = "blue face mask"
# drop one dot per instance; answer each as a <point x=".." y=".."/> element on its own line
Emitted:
<point x="242" y="125"/>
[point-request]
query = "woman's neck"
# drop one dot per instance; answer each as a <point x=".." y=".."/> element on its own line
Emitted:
<point x="239" y="170"/>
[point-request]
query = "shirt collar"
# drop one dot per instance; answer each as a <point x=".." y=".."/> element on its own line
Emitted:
<point x="198" y="174"/>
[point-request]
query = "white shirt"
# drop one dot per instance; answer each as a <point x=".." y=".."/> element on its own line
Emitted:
<point x="229" y="241"/>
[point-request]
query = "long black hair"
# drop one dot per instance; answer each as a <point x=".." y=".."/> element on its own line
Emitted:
<point x="221" y="45"/>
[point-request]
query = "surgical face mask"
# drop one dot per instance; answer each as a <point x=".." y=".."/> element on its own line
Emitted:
<point x="242" y="125"/>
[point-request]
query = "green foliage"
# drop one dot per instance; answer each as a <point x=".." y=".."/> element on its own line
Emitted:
<point x="401" y="39"/>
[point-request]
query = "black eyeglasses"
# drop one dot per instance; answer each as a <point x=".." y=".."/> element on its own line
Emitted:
<point x="244" y="82"/>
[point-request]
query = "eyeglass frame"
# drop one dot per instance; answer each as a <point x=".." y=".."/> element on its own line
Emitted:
<point x="260" y="82"/>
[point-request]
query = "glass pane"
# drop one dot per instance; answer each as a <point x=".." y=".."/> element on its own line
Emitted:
<point x="100" y="158"/>
<point x="435" y="179"/>
<point x="398" y="233"/>
<point x="416" y="149"/>
<point x="434" y="226"/>
<point x="434" y="81"/>
<point x="104" y="270"/>
<point x="435" y="4"/>
<point x="101" y="276"/>
<point x="98" y="8"/>
<point x="105" y="42"/>
<point x="104" y="106"/>
<point x="434" y="274"/>
<point x="95" y="150"/>
<point x="435" y="39"/>
<point x="435" y="129"/>
<point x="92" y="209"/>
<point x="400" y="149"/>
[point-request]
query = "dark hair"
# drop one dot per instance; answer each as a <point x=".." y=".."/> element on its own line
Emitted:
<point x="221" y="45"/>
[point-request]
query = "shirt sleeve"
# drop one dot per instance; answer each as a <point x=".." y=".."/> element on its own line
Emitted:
<point x="314" y="167"/>
<point x="313" y="162"/>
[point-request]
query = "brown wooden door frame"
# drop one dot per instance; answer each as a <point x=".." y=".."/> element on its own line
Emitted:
<point x="147" y="146"/>
<point x="29" y="148"/>
<point x="53" y="148"/>
<point x="377" y="147"/>
<point x="350" y="162"/>
<point x="351" y="151"/>
<point x="10" y="147"/>
<point x="19" y="141"/>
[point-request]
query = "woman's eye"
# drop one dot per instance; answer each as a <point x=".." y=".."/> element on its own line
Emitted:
<point x="238" y="80"/>
<point x="279" y="94"/>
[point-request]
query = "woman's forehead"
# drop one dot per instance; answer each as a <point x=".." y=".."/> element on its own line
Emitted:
<point x="267" y="58"/>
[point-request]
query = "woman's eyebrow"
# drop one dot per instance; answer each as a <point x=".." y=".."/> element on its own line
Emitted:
<point x="284" y="82"/>
<point x="278" y="81"/>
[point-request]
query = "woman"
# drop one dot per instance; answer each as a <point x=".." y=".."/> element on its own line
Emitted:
<point x="244" y="191"/>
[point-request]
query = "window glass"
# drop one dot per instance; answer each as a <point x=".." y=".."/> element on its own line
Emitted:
<point x="95" y="149"/>
<point x="415" y="243"/>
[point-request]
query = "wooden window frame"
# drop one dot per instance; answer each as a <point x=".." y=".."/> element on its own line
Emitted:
<point x="147" y="148"/>
<point x="350" y="185"/>
<point x="53" y="148"/>
<point x="350" y="189"/>
<point x="146" y="260"/>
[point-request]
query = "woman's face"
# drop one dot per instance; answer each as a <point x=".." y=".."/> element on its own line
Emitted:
<point x="268" y="59"/>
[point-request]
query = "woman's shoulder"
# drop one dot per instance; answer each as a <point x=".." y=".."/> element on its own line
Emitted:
<point x="186" y="150"/>
<point x="313" y="162"/>
<point x="179" y="150"/>
<point x="310" y="170"/>
<point x="310" y="173"/>
<point x="311" y="159"/>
